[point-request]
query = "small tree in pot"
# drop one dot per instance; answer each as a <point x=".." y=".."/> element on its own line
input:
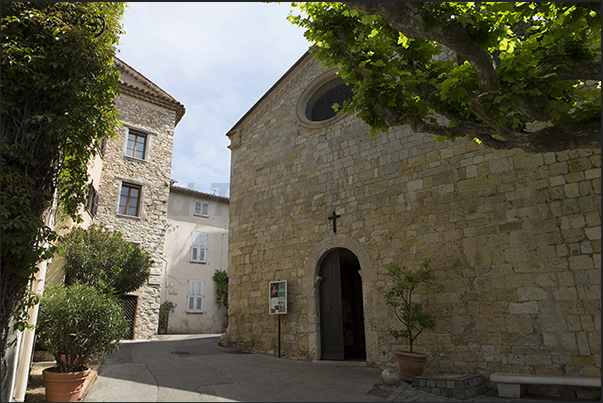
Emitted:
<point x="410" y="313"/>
<point x="75" y="323"/>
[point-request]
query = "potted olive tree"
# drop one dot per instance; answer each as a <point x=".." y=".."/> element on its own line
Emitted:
<point x="75" y="323"/>
<point x="410" y="313"/>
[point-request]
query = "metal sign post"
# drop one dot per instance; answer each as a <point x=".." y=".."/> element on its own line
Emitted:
<point x="277" y="304"/>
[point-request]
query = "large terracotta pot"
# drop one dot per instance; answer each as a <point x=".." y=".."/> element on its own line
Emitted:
<point x="411" y="364"/>
<point x="63" y="386"/>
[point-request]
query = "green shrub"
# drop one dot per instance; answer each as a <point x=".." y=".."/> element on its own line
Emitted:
<point x="77" y="322"/>
<point x="103" y="259"/>
<point x="164" y="312"/>
<point x="221" y="278"/>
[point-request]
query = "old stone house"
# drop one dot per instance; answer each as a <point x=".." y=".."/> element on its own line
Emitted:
<point x="196" y="245"/>
<point x="130" y="185"/>
<point x="514" y="239"/>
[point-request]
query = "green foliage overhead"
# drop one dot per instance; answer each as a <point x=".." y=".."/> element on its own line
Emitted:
<point x="78" y="322"/>
<point x="58" y="83"/>
<point x="103" y="259"/>
<point x="508" y="74"/>
<point x="407" y="310"/>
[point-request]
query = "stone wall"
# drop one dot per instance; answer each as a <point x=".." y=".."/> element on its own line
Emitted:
<point x="153" y="174"/>
<point x="514" y="239"/>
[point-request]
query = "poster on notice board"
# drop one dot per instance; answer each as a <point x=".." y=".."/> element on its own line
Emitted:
<point x="278" y="297"/>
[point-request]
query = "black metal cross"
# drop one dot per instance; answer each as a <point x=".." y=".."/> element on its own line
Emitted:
<point x="334" y="217"/>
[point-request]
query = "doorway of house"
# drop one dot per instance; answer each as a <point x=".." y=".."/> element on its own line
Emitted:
<point x="341" y="310"/>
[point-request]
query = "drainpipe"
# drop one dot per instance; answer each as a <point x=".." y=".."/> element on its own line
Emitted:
<point x="18" y="348"/>
<point x="28" y="339"/>
<point x="25" y="358"/>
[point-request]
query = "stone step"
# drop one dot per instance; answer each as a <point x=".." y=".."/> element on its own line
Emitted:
<point x="456" y="386"/>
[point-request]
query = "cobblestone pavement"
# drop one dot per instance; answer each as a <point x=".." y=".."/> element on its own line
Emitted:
<point x="405" y="392"/>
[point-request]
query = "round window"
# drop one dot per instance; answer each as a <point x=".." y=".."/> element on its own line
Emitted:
<point x="315" y="107"/>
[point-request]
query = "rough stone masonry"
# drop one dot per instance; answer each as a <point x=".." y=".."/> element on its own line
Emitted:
<point x="514" y="238"/>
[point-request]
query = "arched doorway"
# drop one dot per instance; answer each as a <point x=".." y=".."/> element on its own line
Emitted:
<point x="341" y="307"/>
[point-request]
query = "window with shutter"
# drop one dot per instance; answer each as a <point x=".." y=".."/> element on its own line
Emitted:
<point x="92" y="201"/>
<point x="199" y="247"/>
<point x="195" y="296"/>
<point x="201" y="208"/>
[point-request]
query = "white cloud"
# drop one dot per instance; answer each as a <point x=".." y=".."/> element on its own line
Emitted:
<point x="217" y="59"/>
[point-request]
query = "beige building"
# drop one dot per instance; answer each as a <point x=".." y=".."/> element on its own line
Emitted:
<point x="514" y="238"/>
<point x="196" y="245"/>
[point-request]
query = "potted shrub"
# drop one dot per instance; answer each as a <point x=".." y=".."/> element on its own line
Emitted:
<point x="75" y="323"/>
<point x="410" y="313"/>
<point x="164" y="314"/>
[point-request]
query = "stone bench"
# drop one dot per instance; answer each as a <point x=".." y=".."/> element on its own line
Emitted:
<point x="513" y="385"/>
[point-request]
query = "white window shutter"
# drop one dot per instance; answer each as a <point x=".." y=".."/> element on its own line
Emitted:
<point x="199" y="247"/>
<point x="195" y="295"/>
<point x="201" y="208"/>
<point x="200" y="291"/>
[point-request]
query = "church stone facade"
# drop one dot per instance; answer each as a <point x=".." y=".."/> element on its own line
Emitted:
<point x="514" y="240"/>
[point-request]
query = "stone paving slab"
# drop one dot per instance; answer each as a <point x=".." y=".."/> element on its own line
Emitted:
<point x="405" y="392"/>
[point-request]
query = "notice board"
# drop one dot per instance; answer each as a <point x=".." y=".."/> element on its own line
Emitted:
<point x="278" y="297"/>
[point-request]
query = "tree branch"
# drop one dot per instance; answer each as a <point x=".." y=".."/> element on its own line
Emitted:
<point x="408" y="19"/>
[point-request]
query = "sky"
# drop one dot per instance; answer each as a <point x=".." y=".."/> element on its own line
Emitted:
<point x="218" y="60"/>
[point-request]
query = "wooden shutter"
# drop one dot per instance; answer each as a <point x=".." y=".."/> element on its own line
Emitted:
<point x="199" y="247"/>
<point x="92" y="202"/>
<point x="195" y="295"/>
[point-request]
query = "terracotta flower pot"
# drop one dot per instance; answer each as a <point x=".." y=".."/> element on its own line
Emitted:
<point x="63" y="386"/>
<point x="411" y="364"/>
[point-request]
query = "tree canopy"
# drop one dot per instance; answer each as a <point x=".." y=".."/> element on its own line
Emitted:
<point x="58" y="83"/>
<point x="520" y="75"/>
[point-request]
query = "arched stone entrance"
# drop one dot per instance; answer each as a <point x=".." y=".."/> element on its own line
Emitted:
<point x="341" y="307"/>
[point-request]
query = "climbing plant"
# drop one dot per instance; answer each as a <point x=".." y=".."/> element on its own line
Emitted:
<point x="221" y="279"/>
<point x="58" y="83"/>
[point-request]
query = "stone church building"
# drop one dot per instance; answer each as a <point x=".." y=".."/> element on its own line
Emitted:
<point x="514" y="240"/>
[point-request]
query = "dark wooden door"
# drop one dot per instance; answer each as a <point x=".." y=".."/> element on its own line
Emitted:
<point x="331" y="318"/>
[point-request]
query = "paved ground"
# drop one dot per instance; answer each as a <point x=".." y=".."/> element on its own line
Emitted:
<point x="194" y="368"/>
<point x="197" y="369"/>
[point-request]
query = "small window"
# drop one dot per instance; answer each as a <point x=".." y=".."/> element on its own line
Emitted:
<point x="92" y="201"/>
<point x="201" y="208"/>
<point x="195" y="296"/>
<point x="137" y="143"/>
<point x="129" y="200"/>
<point x="199" y="247"/>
